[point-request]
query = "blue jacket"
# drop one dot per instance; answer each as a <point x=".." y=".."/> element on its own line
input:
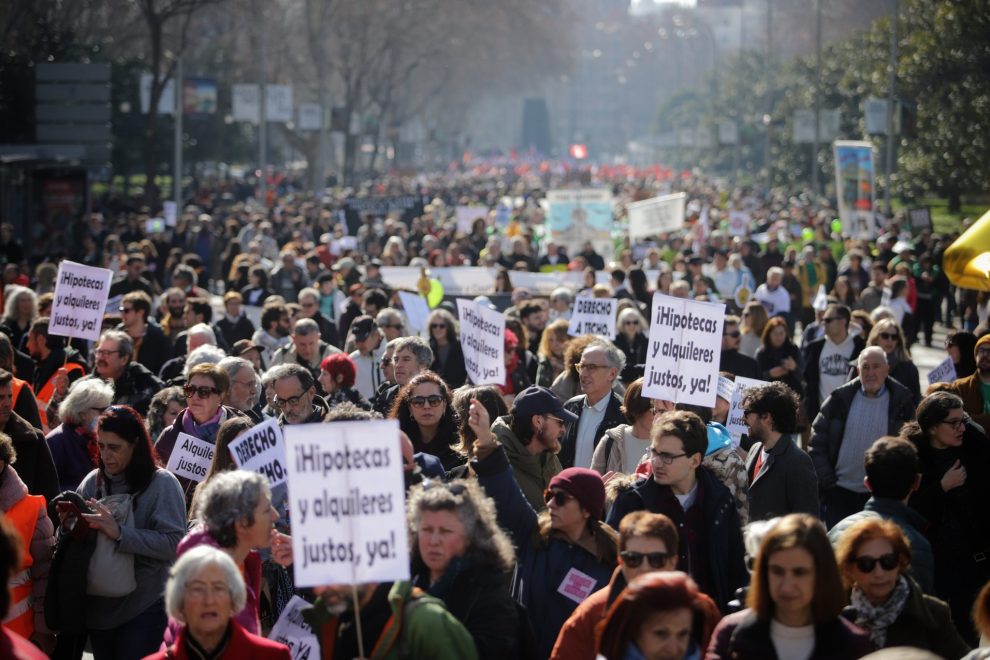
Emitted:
<point x="543" y="564"/>
<point x="70" y="451"/>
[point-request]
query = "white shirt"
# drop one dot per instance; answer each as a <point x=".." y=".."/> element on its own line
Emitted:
<point x="633" y="449"/>
<point x="792" y="643"/>
<point x="833" y="366"/>
<point x="369" y="374"/>
<point x="584" y="441"/>
<point x="775" y="302"/>
<point x="687" y="500"/>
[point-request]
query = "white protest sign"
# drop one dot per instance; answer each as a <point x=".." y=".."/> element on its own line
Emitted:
<point x="245" y="101"/>
<point x="943" y="373"/>
<point x="347" y="497"/>
<point x="738" y="223"/>
<point x="725" y="389"/>
<point x="466" y="215"/>
<point x="171" y="212"/>
<point x="294" y="632"/>
<point x="821" y="299"/>
<point x="736" y="423"/>
<point x="483" y="342"/>
<point x="190" y="458"/>
<point x="685" y="348"/>
<point x="657" y="215"/>
<point x="80" y="301"/>
<point x="593" y="316"/>
<point x="261" y="449"/>
<point x="417" y="311"/>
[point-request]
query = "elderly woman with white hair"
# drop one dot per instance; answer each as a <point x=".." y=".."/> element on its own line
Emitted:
<point x="203" y="593"/>
<point x="19" y="309"/>
<point x="73" y="442"/>
<point x="235" y="514"/>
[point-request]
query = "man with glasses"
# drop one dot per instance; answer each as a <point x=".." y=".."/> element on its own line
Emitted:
<point x="411" y="355"/>
<point x="295" y="395"/>
<point x="390" y="322"/>
<point x="245" y="387"/>
<point x="732" y="360"/>
<point x="855" y="415"/>
<point x="781" y="476"/>
<point x="151" y="347"/>
<point x="827" y="359"/>
<point x="647" y="542"/>
<point x="598" y="408"/>
<point x="975" y="389"/>
<point x="133" y="384"/>
<point x="711" y="545"/>
<point x="309" y="300"/>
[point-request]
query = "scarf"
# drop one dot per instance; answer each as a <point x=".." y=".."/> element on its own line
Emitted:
<point x="207" y="431"/>
<point x="877" y="618"/>
<point x="195" y="650"/>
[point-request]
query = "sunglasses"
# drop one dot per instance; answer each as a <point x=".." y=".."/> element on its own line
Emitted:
<point x="866" y="564"/>
<point x="201" y="392"/>
<point x="634" y="559"/>
<point x="438" y="326"/>
<point x="630" y="323"/>
<point x="887" y="336"/>
<point x="421" y="401"/>
<point x="734" y="335"/>
<point x="559" y="497"/>
<point x="832" y="318"/>
<point x="125" y="310"/>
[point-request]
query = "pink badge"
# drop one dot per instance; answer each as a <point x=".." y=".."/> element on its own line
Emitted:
<point x="577" y="585"/>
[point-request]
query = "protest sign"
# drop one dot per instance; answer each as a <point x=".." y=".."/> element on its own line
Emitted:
<point x="736" y="422"/>
<point x="80" y="301"/>
<point x="347" y="497"/>
<point x="943" y="373"/>
<point x="575" y="217"/>
<point x="739" y="223"/>
<point x="190" y="458"/>
<point x="416" y="310"/>
<point x="483" y="342"/>
<point x="725" y="389"/>
<point x="171" y="213"/>
<point x="685" y="347"/>
<point x="821" y="299"/>
<point x="466" y="215"/>
<point x="854" y="188"/>
<point x="657" y="215"/>
<point x="593" y="316"/>
<point x="294" y="632"/>
<point x="261" y="449"/>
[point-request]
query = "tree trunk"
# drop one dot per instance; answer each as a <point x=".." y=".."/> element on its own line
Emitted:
<point x="955" y="200"/>
<point x="151" y="192"/>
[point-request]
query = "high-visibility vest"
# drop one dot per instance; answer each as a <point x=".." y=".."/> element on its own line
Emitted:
<point x="44" y="395"/>
<point x="23" y="516"/>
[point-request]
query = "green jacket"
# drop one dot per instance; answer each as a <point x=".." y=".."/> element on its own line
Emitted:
<point x="533" y="472"/>
<point x="420" y="627"/>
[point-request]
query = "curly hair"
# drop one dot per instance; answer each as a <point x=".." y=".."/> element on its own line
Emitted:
<point x="932" y="410"/>
<point x="777" y="399"/>
<point x="227" y="499"/>
<point x="490" y="398"/>
<point x="487" y="545"/>
<point x="402" y="411"/>
<point x="158" y="406"/>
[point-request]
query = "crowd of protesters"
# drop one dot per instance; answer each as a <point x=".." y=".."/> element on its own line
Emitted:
<point x="560" y="514"/>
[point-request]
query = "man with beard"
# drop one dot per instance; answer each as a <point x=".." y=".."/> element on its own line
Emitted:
<point x="781" y="475"/>
<point x="51" y="356"/>
<point x="975" y="389"/>
<point x="34" y="465"/>
<point x="133" y="384"/>
<point x="531" y="437"/>
<point x="274" y="331"/>
<point x="295" y="395"/>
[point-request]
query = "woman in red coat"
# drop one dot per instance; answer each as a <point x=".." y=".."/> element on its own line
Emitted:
<point x="204" y="592"/>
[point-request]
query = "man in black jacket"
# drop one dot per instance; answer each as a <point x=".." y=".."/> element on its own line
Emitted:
<point x="133" y="385"/>
<point x="598" y="408"/>
<point x="826" y="359"/>
<point x="153" y="348"/>
<point x="732" y="360"/>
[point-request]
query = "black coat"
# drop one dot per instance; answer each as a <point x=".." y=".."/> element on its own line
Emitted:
<point x="769" y="357"/>
<point x="741" y="636"/>
<point x="812" y="376"/>
<point x="34" y="465"/>
<point x="635" y="352"/>
<point x="786" y="482"/>
<point x="613" y="417"/>
<point x="235" y="331"/>
<point x="738" y="364"/>
<point x="453" y="372"/>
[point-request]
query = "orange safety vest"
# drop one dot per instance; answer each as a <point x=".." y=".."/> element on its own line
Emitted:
<point x="23" y="516"/>
<point x="44" y="395"/>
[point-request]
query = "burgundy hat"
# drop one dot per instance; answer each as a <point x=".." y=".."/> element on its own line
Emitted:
<point x="586" y="486"/>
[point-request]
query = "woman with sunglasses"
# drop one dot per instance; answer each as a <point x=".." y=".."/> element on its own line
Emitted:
<point x="426" y="414"/>
<point x="204" y="390"/>
<point x="630" y="338"/>
<point x="952" y="496"/>
<point x="448" y="358"/>
<point x="131" y="626"/>
<point x="890" y="337"/>
<point x="794" y="602"/>
<point x="461" y="556"/>
<point x="874" y="557"/>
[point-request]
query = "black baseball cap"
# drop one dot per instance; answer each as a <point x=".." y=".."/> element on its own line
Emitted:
<point x="362" y="326"/>
<point x="535" y="400"/>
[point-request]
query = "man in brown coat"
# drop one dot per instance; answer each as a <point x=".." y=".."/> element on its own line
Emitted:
<point x="975" y="389"/>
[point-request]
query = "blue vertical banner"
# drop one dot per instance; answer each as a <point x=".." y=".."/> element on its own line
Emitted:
<point x="855" y="188"/>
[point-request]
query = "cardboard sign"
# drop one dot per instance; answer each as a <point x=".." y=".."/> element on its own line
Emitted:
<point x="262" y="449"/>
<point x="736" y="422"/>
<point x="943" y="373"/>
<point x="466" y="215"/>
<point x="593" y="316"/>
<point x="417" y="311"/>
<point x="80" y="301"/>
<point x="483" y="342"/>
<point x="294" y="632"/>
<point x="347" y="497"/>
<point x="191" y="458"/>
<point x="685" y="348"/>
<point x="725" y="389"/>
<point x="656" y="216"/>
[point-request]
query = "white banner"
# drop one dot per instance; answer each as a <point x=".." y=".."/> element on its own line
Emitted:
<point x="483" y="342"/>
<point x="80" y="300"/>
<point x="262" y="449"/>
<point x="725" y="389"/>
<point x="166" y="102"/>
<point x="875" y="116"/>
<point x="310" y="117"/>
<point x="685" y="348"/>
<point x="943" y="373"/>
<point x="466" y="215"/>
<point x="656" y="216"/>
<point x="593" y="316"/>
<point x="190" y="458"/>
<point x="736" y="423"/>
<point x="171" y="212"/>
<point x="278" y="103"/>
<point x="739" y="223"/>
<point x="245" y="102"/>
<point x="347" y="497"/>
<point x="294" y="632"/>
<point x="416" y="309"/>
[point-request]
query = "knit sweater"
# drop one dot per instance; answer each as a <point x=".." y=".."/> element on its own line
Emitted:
<point x="867" y="421"/>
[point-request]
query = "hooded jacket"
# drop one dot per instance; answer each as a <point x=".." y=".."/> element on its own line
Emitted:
<point x="533" y="472"/>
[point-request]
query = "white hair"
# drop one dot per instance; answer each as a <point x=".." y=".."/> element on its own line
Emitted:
<point x="13" y="294"/>
<point x="871" y="351"/>
<point x="189" y="566"/>
<point x="84" y="395"/>
<point x="205" y="354"/>
<point x="204" y="331"/>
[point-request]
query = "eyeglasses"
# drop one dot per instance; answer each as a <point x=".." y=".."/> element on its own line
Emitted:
<point x="866" y="564"/>
<point x="888" y="336"/>
<point x="584" y="366"/>
<point x="308" y="305"/>
<point x="734" y="335"/>
<point x="394" y="326"/>
<point x="664" y="457"/>
<point x="438" y="326"/>
<point x="634" y="559"/>
<point x="291" y="401"/>
<point x="201" y="392"/>
<point x="101" y="353"/>
<point x="125" y="310"/>
<point x="422" y="401"/>
<point x="829" y="319"/>
<point x="956" y="423"/>
<point x="559" y="497"/>
<point x="200" y="591"/>
<point x="251" y="385"/>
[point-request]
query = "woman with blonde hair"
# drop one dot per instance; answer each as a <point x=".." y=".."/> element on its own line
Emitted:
<point x="754" y="320"/>
<point x="889" y="336"/>
<point x="550" y="354"/>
